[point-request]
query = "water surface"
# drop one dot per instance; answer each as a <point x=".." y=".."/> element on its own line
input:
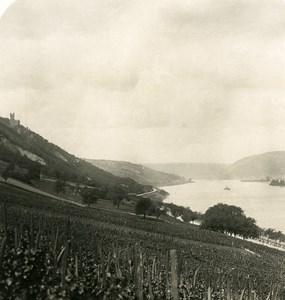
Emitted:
<point x="259" y="200"/>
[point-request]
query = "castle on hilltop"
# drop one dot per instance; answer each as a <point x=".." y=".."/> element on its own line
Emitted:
<point x="13" y="121"/>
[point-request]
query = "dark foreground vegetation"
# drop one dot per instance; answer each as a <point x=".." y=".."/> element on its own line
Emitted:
<point x="51" y="250"/>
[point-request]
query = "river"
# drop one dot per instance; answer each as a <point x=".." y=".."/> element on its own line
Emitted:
<point x="259" y="200"/>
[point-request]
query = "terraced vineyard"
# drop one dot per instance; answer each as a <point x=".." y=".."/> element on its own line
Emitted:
<point x="52" y="250"/>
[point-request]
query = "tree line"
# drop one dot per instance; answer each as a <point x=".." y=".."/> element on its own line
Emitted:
<point x="146" y="206"/>
<point x="223" y="218"/>
<point x="230" y="219"/>
<point x="273" y="234"/>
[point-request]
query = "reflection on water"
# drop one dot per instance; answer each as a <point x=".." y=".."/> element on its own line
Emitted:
<point x="259" y="200"/>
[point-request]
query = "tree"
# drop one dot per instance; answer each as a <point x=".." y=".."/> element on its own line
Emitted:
<point x="60" y="182"/>
<point x="230" y="219"/>
<point x="250" y="229"/>
<point x="119" y="196"/>
<point x="34" y="172"/>
<point x="274" y="234"/>
<point x="188" y="215"/>
<point x="89" y="196"/>
<point x="7" y="173"/>
<point x="143" y="206"/>
<point x="157" y="209"/>
<point x="175" y="210"/>
<point x="117" y="201"/>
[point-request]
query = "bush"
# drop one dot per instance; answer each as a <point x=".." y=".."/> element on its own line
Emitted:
<point x="143" y="206"/>
<point x="89" y="196"/>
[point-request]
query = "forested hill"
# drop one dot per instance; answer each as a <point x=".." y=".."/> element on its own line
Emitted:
<point x="139" y="173"/>
<point x="259" y="166"/>
<point x="270" y="164"/>
<point x="29" y="153"/>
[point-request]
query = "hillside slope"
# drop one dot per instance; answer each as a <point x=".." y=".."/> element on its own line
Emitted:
<point x="192" y="170"/>
<point x="259" y="166"/>
<point x="30" y="152"/>
<point x="139" y="173"/>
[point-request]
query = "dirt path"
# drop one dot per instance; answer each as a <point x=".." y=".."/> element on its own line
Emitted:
<point x="29" y="188"/>
<point x="148" y="193"/>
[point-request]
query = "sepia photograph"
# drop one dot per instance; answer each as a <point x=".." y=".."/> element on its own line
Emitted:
<point x="142" y="149"/>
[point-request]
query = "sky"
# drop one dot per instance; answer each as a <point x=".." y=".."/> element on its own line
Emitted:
<point x="147" y="81"/>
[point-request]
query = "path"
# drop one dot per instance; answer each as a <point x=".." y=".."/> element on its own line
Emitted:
<point x="29" y="188"/>
<point x="148" y="193"/>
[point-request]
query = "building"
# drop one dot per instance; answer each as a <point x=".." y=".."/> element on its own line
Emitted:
<point x="13" y="121"/>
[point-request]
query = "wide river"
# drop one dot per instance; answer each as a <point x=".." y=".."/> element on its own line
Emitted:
<point x="264" y="203"/>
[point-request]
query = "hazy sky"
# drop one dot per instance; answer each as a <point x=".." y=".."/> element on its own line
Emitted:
<point x="147" y="81"/>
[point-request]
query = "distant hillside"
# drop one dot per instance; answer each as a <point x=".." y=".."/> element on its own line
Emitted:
<point x="259" y="166"/>
<point x="192" y="170"/>
<point x="30" y="153"/>
<point x="139" y="173"/>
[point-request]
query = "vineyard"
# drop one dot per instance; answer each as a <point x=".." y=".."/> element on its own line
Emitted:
<point x="52" y="250"/>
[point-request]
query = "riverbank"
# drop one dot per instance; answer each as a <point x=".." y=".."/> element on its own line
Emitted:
<point x="258" y="200"/>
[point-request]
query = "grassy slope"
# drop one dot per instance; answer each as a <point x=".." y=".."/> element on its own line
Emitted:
<point x="137" y="172"/>
<point x="55" y="157"/>
<point x="259" y="166"/>
<point x="20" y="199"/>
<point x="206" y="250"/>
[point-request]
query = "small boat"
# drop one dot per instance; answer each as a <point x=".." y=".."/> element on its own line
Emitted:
<point x="227" y="188"/>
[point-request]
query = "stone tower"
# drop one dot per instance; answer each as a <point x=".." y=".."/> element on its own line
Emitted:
<point x="13" y="121"/>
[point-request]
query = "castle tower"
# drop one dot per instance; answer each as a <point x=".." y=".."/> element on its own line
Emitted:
<point x="13" y="121"/>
